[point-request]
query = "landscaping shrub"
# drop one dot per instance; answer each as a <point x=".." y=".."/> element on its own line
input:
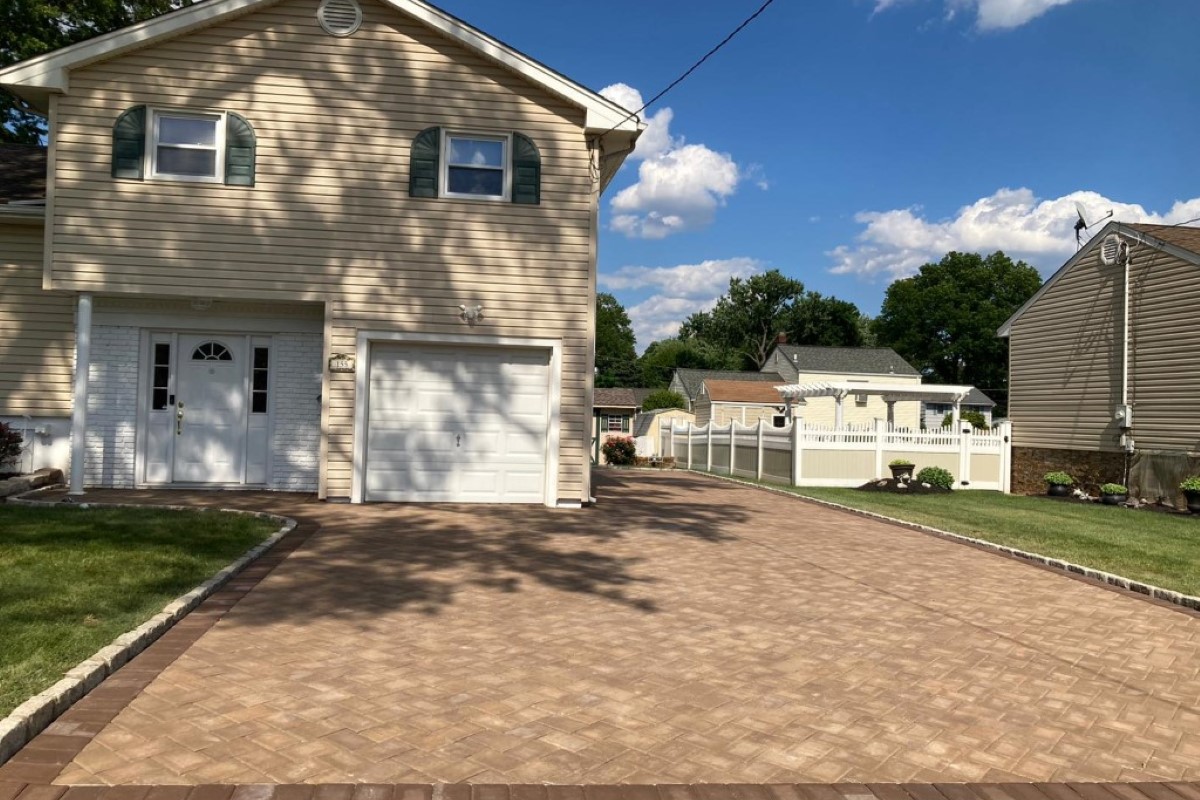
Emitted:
<point x="663" y="398"/>
<point x="619" y="450"/>
<point x="978" y="421"/>
<point x="1060" y="478"/>
<point x="10" y="444"/>
<point x="936" y="476"/>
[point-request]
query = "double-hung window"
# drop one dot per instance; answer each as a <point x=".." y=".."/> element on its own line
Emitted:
<point x="187" y="146"/>
<point x="476" y="166"/>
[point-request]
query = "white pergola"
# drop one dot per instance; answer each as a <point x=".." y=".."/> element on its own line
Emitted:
<point x="890" y="392"/>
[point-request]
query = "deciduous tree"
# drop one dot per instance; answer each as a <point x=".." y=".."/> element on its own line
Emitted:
<point x="616" y="353"/>
<point x="943" y="320"/>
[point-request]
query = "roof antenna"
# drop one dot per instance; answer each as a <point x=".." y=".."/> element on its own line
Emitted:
<point x="1082" y="224"/>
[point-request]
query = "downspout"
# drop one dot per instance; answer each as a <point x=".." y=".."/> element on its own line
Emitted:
<point x="1125" y="367"/>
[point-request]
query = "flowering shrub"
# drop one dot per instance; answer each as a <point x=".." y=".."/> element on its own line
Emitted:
<point x="619" y="450"/>
<point x="936" y="476"/>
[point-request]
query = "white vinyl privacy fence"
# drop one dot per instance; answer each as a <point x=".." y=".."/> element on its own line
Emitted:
<point x="849" y="456"/>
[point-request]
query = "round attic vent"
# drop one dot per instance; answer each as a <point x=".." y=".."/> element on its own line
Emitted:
<point x="339" y="17"/>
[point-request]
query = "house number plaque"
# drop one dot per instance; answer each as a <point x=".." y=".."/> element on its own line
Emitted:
<point x="340" y="362"/>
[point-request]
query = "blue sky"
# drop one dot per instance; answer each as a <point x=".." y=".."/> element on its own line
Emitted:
<point x="846" y="142"/>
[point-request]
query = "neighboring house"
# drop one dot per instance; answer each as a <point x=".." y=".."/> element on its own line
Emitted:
<point x="806" y="364"/>
<point x="343" y="246"/>
<point x="613" y="411"/>
<point x="933" y="412"/>
<point x="745" y="402"/>
<point x="1102" y="394"/>
<point x="648" y="428"/>
<point x="688" y="382"/>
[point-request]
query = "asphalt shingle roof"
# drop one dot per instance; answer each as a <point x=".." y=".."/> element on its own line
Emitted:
<point x="22" y="172"/>
<point x="693" y="378"/>
<point x="870" y="360"/>
<point x="619" y="397"/>
<point x="1179" y="235"/>
<point x="743" y="392"/>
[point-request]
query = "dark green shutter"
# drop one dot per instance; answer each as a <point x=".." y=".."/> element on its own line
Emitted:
<point x="423" y="163"/>
<point x="129" y="144"/>
<point x="239" y="151"/>
<point x="527" y="171"/>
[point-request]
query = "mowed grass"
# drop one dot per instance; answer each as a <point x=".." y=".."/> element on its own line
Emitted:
<point x="1160" y="549"/>
<point x="72" y="580"/>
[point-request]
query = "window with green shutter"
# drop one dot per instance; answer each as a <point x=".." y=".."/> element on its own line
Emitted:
<point x="424" y="163"/>
<point x="129" y="144"/>
<point x="527" y="171"/>
<point x="206" y="146"/>
<point x="476" y="166"/>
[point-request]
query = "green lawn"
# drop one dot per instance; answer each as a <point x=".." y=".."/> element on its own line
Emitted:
<point x="1161" y="549"/>
<point x="72" y="580"/>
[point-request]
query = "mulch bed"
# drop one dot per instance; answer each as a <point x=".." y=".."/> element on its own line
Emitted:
<point x="1156" y="507"/>
<point x="893" y="486"/>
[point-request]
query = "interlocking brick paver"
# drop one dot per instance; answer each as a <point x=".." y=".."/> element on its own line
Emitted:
<point x="682" y="631"/>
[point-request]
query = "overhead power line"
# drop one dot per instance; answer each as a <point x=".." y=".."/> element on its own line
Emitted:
<point x="692" y="68"/>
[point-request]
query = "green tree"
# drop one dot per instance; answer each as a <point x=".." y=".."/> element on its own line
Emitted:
<point x="663" y="357"/>
<point x="616" y="347"/>
<point x="943" y="320"/>
<point x="30" y="28"/>
<point x="746" y="321"/>
<point x="663" y="398"/>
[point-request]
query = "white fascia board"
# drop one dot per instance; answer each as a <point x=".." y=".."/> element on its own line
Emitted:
<point x="1141" y="237"/>
<point x="49" y="72"/>
<point x="39" y="76"/>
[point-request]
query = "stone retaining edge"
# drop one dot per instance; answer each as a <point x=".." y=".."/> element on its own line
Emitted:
<point x="1157" y="592"/>
<point x="23" y="484"/>
<point x="35" y="714"/>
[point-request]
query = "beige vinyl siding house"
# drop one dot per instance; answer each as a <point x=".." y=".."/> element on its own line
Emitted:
<point x="1066" y="365"/>
<point x="329" y="230"/>
<point x="744" y="402"/>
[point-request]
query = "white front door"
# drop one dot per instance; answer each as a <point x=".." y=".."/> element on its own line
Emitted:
<point x="210" y="408"/>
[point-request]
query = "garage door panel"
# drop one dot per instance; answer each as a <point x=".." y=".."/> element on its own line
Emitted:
<point x="457" y="424"/>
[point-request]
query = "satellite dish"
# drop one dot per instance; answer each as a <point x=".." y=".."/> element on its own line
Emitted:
<point x="1111" y="249"/>
<point x="1083" y="223"/>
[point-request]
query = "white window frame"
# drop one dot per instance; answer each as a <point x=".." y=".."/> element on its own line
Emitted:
<point x="444" y="165"/>
<point x="152" y="145"/>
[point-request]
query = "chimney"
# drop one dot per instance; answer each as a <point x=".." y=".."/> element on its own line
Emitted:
<point x="781" y="338"/>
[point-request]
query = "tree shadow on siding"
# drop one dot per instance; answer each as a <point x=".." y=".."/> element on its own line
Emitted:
<point x="330" y="220"/>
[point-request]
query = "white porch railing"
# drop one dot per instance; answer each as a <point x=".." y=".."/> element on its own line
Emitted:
<point x="849" y="456"/>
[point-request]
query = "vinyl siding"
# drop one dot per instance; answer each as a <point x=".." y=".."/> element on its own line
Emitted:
<point x="330" y="218"/>
<point x="1065" y="362"/>
<point x="823" y="410"/>
<point x="37" y="330"/>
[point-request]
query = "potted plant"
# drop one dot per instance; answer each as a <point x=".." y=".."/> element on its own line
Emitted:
<point x="1113" y="494"/>
<point x="901" y="468"/>
<point x="1191" y="491"/>
<point x="1058" y="484"/>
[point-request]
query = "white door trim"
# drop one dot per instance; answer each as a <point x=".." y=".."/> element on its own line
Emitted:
<point x="362" y="370"/>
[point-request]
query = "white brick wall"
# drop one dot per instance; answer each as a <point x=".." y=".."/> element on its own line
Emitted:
<point x="112" y="407"/>
<point x="296" y="439"/>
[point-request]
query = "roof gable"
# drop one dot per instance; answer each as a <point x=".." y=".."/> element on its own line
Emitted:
<point x="36" y="78"/>
<point x="858" y="360"/>
<point x="1176" y="240"/>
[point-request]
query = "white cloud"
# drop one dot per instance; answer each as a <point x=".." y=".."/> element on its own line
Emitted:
<point x="990" y="15"/>
<point x="679" y="292"/>
<point x="896" y="243"/>
<point x="679" y="190"/>
<point x="680" y="186"/>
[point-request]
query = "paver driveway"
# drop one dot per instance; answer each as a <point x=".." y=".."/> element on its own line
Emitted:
<point x="684" y="630"/>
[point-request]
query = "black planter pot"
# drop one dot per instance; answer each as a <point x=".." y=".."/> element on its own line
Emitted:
<point x="1193" y="502"/>
<point x="1113" y="499"/>
<point x="1059" y="490"/>
<point x="900" y="470"/>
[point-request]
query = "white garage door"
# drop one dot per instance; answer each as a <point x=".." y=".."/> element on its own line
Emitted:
<point x="463" y="425"/>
